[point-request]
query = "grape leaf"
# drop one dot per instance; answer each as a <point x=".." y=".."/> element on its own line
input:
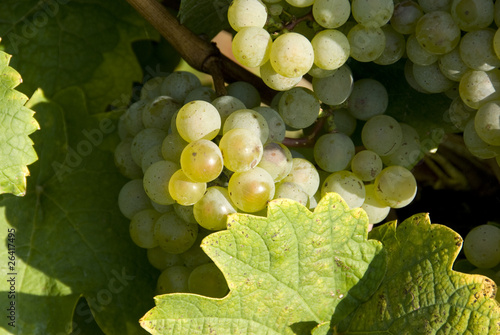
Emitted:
<point x="421" y="294"/>
<point x="286" y="273"/>
<point x="206" y="17"/>
<point x="71" y="239"/>
<point x="16" y="123"/>
<point x="84" y="43"/>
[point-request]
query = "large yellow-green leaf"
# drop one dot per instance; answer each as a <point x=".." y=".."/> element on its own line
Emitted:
<point x="286" y="273"/>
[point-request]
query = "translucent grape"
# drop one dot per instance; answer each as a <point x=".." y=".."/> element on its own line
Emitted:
<point x="143" y="141"/>
<point x="172" y="146"/>
<point x="341" y="121"/>
<point x="367" y="43"/>
<point x="335" y="89"/>
<point x="202" y="161"/>
<point x="132" y="198"/>
<point x="405" y="16"/>
<point x="241" y="150"/>
<point x="173" y="234"/>
<point x="487" y="122"/>
<point x="417" y="54"/>
<point x="124" y="161"/>
<point x="372" y="13"/>
<point x="395" y="186"/>
<point x="276" y="160"/>
<point x="347" y="185"/>
<point x="250" y="120"/>
<point x="198" y="119"/>
<point x="482" y="246"/>
<point x="251" y="190"/>
<point x="275" y="80"/>
<point x="276" y="124"/>
<point x="333" y="152"/>
<point x="161" y="259"/>
<point x="156" y="180"/>
<point x="366" y="165"/>
<point x="476" y="145"/>
<point x="299" y="107"/>
<point x="437" y="32"/>
<point x="142" y="226"/>
<point x="178" y="84"/>
<point x="292" y="55"/>
<point x="452" y="66"/>
<point x="173" y="279"/>
<point x="212" y="210"/>
<point x="374" y="208"/>
<point x="245" y="92"/>
<point x="382" y="134"/>
<point x="431" y="79"/>
<point x="304" y="174"/>
<point x="227" y="104"/>
<point x="472" y="14"/>
<point x="479" y="87"/>
<point x="331" y="13"/>
<point x="158" y="113"/>
<point x="251" y="46"/>
<point x="151" y="156"/>
<point x="289" y="190"/>
<point x="247" y="13"/>
<point x="409" y="152"/>
<point x="184" y="190"/>
<point x="208" y="280"/>
<point x="368" y="98"/>
<point x="476" y="50"/>
<point x="331" y="49"/>
<point x="394" y="49"/>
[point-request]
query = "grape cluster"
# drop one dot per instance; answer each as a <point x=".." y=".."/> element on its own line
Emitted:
<point x="449" y="46"/>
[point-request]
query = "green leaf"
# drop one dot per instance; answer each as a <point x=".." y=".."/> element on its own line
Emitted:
<point x="84" y="43"/>
<point x="421" y="294"/>
<point x="206" y="17"/>
<point x="71" y="239"/>
<point x="286" y="273"/>
<point x="16" y="123"/>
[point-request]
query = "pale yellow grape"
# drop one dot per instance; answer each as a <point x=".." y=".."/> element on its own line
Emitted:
<point x="366" y="164"/>
<point x="277" y="127"/>
<point x="395" y="186"/>
<point x="472" y="14"/>
<point x="382" y="134"/>
<point x="304" y="174"/>
<point x="173" y="234"/>
<point x="173" y="279"/>
<point x="405" y="16"/>
<point x="331" y="49"/>
<point x="372" y="13"/>
<point x="198" y="119"/>
<point x="202" y="161"/>
<point x="277" y="160"/>
<point x="251" y="46"/>
<point x="158" y="113"/>
<point x="132" y="198"/>
<point x="213" y="208"/>
<point x="333" y="152"/>
<point x="437" y="32"/>
<point x="184" y="190"/>
<point x="409" y="152"/>
<point x="178" y="85"/>
<point x="478" y="87"/>
<point x="227" y="104"/>
<point x="172" y="146"/>
<point x="487" y="122"/>
<point x="347" y="185"/>
<point x="156" y="180"/>
<point x="476" y="50"/>
<point x="275" y="80"/>
<point x="184" y="212"/>
<point x="367" y="99"/>
<point x="161" y="259"/>
<point x="431" y="79"/>
<point x="417" y="54"/>
<point x="335" y="89"/>
<point x="251" y="190"/>
<point x="482" y="246"/>
<point x="395" y="46"/>
<point x="374" y="208"/>
<point x="241" y="149"/>
<point x="367" y="43"/>
<point x="299" y="107"/>
<point x="250" y="120"/>
<point x="292" y="55"/>
<point x="289" y="190"/>
<point x="141" y="228"/>
<point x="124" y="160"/>
<point x="247" y="13"/>
<point x="452" y="66"/>
<point x="207" y="280"/>
<point x="331" y="13"/>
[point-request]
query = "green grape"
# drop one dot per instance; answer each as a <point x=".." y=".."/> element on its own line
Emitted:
<point x="459" y="113"/>
<point x="184" y="212"/>
<point x="275" y="123"/>
<point x="482" y="246"/>
<point x="331" y="49"/>
<point x="247" y="13"/>
<point x="452" y="66"/>
<point x="368" y="98"/>
<point x="124" y="161"/>
<point x="184" y="190"/>
<point x="275" y="80"/>
<point x="212" y="210"/>
<point x="178" y="84"/>
<point x="289" y="190"/>
<point x="431" y="79"/>
<point x="347" y="185"/>
<point x="132" y="198"/>
<point x="331" y="13"/>
<point x="317" y="72"/>
<point x="435" y="5"/>
<point x="367" y="43"/>
<point x="195" y="256"/>
<point x="472" y="14"/>
<point x="245" y="92"/>
<point x="410" y="78"/>
<point x="198" y="119"/>
<point x="395" y="186"/>
<point x="304" y="174"/>
<point x="203" y="93"/>
<point x="437" y="32"/>
<point x="156" y="180"/>
<point x="300" y="3"/>
<point x="152" y="88"/>
<point x="152" y="155"/>
<point x="299" y="107"/>
<point x="202" y="161"/>
<point x="373" y="13"/>
<point x="276" y="160"/>
<point x="476" y="50"/>
<point x="476" y="145"/>
<point x="335" y="89"/>
<point x="405" y="16"/>
<point x="496" y="15"/>
<point x="173" y="234"/>
<point x="292" y="55"/>
<point x="382" y="134"/>
<point x="158" y="113"/>
<point x="250" y="120"/>
<point x="173" y="279"/>
<point x="487" y="122"/>
<point x="142" y="226"/>
<point x="227" y="104"/>
<point x="161" y="259"/>
<point x="374" y="208"/>
<point x="162" y="208"/>
<point x="333" y="152"/>
<point x="479" y="87"/>
<point x="395" y="46"/>
<point x="341" y="121"/>
<point x="208" y="280"/>
<point x="133" y="117"/>
<point x="409" y="152"/>
<point x="241" y="149"/>
<point x="496" y="43"/>
<point x="143" y="141"/>
<point x="172" y="147"/>
<point x="417" y="54"/>
<point x="251" y="46"/>
<point x="251" y="190"/>
<point x="366" y="165"/>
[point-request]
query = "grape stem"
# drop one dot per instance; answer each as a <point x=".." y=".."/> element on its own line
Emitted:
<point x="306" y="141"/>
<point x="308" y="17"/>
<point x="200" y="54"/>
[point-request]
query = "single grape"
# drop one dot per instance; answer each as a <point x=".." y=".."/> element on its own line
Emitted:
<point x="374" y="208"/>
<point x="333" y="152"/>
<point x="487" y="122"/>
<point x="335" y="89"/>
<point x="475" y="144"/>
<point x="172" y="146"/>
<point x="212" y="210"/>
<point x="245" y="92"/>
<point x="184" y="190"/>
<point x="276" y="160"/>
<point x="143" y="141"/>
<point x="405" y="16"/>
<point x="479" y="87"/>
<point x="331" y="13"/>
<point x="156" y="180"/>
<point x="158" y="113"/>
<point x="331" y="49"/>
<point x="368" y="98"/>
<point x="201" y="93"/>
<point x="431" y="79"/>
<point x="161" y="259"/>
<point x="482" y="246"/>
<point x="409" y="152"/>
<point x="133" y="117"/>
<point x="195" y="256"/>
<point x="460" y="114"/>
<point x="227" y="104"/>
<point x="247" y="13"/>
<point x="142" y="226"/>
<point x="299" y="107"/>
<point x="251" y="46"/>
<point x="367" y="43"/>
<point x="251" y="190"/>
<point x="366" y="165"/>
<point x="341" y="121"/>
<point x="198" y="119"/>
<point x="202" y="161"/>
<point x="276" y="124"/>
<point x="184" y="212"/>
<point x="418" y="54"/>
<point x="372" y="13"/>
<point x="317" y="72"/>
<point x="347" y="185"/>
<point x="173" y="234"/>
<point x="395" y="46"/>
<point x="292" y="55"/>
<point x="178" y="85"/>
<point x="250" y="120"/>
<point x="437" y="32"/>
<point x="151" y="156"/>
<point x="472" y="14"/>
<point x="275" y="80"/>
<point x="289" y="190"/>
<point x="452" y="66"/>
<point x="124" y="160"/>
<point x="173" y="279"/>
<point x="208" y="280"/>
<point x="241" y="149"/>
<point x="132" y="198"/>
<point x="476" y="50"/>
<point x="304" y="174"/>
<point x="395" y="186"/>
<point x="382" y="134"/>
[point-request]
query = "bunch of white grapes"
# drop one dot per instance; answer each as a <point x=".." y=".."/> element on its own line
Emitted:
<point x="193" y="159"/>
<point x="449" y="46"/>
